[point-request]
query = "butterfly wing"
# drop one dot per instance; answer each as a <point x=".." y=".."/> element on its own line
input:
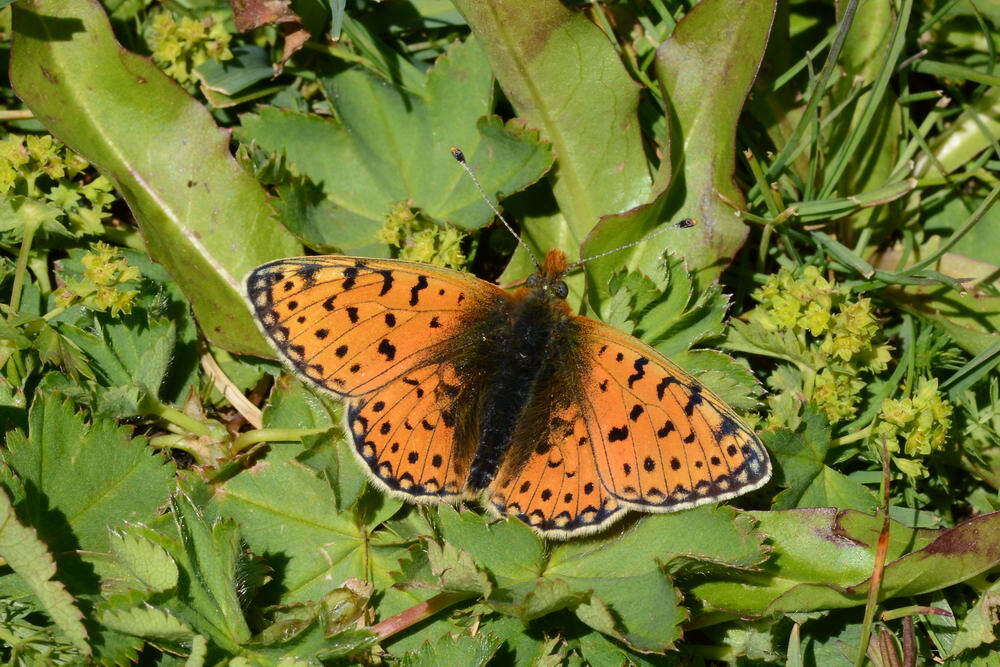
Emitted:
<point x="352" y="325"/>
<point x="383" y="334"/>
<point x="406" y="434"/>
<point x="661" y="440"/>
<point x="557" y="490"/>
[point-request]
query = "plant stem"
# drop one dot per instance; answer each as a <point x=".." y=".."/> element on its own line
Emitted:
<point x="16" y="114"/>
<point x="151" y="406"/>
<point x="853" y="437"/>
<point x="416" y="614"/>
<point x="30" y="227"/>
<point x="248" y="438"/>
<point x="881" y="549"/>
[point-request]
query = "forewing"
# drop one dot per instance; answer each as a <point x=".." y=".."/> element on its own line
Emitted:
<point x="405" y="433"/>
<point x="661" y="440"/>
<point x="557" y="490"/>
<point x="352" y="325"/>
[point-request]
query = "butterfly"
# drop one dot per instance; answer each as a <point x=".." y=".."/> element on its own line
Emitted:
<point x="457" y="389"/>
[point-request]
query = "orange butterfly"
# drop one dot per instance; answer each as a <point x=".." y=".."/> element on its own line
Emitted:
<point x="457" y="389"/>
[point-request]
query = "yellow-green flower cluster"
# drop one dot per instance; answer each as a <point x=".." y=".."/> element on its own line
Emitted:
<point x="921" y="421"/>
<point x="422" y="240"/>
<point x="837" y="336"/>
<point x="803" y="301"/>
<point x="180" y="46"/>
<point x="104" y="283"/>
<point x="40" y="168"/>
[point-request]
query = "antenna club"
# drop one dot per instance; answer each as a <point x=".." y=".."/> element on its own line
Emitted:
<point x="457" y="153"/>
<point x="687" y="222"/>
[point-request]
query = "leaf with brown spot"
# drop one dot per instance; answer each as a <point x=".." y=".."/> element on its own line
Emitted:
<point x="824" y="559"/>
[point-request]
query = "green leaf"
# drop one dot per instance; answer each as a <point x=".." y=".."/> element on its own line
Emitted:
<point x="249" y="65"/>
<point x="565" y="78"/>
<point x="368" y="163"/>
<point x="979" y="625"/>
<point x="201" y="215"/>
<point x="475" y="651"/>
<point x="211" y="554"/>
<point x="24" y="553"/>
<point x="824" y="559"/>
<point x="457" y="570"/>
<point x="149" y="564"/>
<point x="809" y="481"/>
<point x="131" y="355"/>
<point x="726" y="377"/>
<point x="102" y="479"/>
<point x="626" y="574"/>
<point x="717" y="41"/>
<point x="662" y="309"/>
<point x="519" y="559"/>
<point x="287" y="508"/>
<point x="147" y="622"/>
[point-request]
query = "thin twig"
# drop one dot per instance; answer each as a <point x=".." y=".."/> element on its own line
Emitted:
<point x="417" y="613"/>
<point x="882" y="548"/>
<point x="241" y="403"/>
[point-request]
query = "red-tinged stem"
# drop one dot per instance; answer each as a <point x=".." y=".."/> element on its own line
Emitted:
<point x="882" y="548"/>
<point x="416" y="614"/>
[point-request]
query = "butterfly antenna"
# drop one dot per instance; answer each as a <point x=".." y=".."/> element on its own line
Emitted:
<point x="683" y="224"/>
<point x="459" y="156"/>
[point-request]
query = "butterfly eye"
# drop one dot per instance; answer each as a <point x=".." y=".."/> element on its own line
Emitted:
<point x="532" y="280"/>
<point x="561" y="290"/>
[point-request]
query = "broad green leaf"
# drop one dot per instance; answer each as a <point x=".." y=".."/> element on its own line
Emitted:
<point x="24" y="553"/>
<point x="201" y="215"/>
<point x="211" y="552"/>
<point x="508" y="549"/>
<point x="474" y="651"/>
<point x="626" y="573"/>
<point x="249" y="65"/>
<point x="717" y="41"/>
<point x="368" y="163"/>
<point x="83" y="478"/>
<point x="565" y="78"/>
<point x="293" y="406"/>
<point x="148" y="563"/>
<point x="287" y="510"/>
<point x="808" y="480"/>
<point x="147" y="622"/>
<point x="824" y="559"/>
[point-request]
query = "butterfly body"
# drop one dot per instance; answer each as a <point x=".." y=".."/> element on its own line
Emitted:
<point x="457" y="389"/>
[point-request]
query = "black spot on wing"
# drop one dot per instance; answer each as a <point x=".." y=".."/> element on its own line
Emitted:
<point x="387" y="349"/>
<point x="640" y="371"/>
<point x="415" y="290"/>
<point x="350" y="277"/>
<point x="618" y="433"/>
<point x="387" y="281"/>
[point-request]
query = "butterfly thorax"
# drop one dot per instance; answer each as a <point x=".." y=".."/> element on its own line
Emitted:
<point x="527" y="349"/>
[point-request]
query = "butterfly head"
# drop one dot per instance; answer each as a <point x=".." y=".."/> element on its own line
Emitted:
<point x="548" y="282"/>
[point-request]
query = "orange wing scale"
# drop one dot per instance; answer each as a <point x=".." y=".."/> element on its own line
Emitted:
<point x="558" y="491"/>
<point x="662" y="441"/>
<point x="353" y="325"/>
<point x="405" y="435"/>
